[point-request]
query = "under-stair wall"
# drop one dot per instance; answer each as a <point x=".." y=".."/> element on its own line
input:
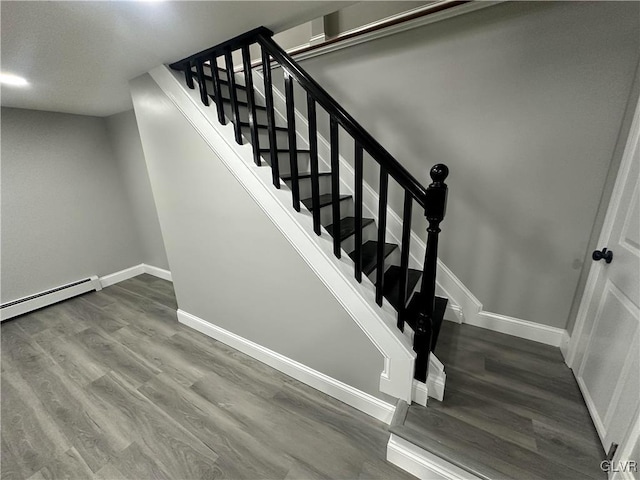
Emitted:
<point x="235" y="274"/>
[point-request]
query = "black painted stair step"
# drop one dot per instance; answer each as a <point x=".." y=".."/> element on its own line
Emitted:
<point x="413" y="309"/>
<point x="278" y="129"/>
<point x="347" y="226"/>
<point x="222" y="81"/>
<point x="305" y="175"/>
<point x="370" y="255"/>
<point x="240" y="102"/>
<point x="323" y="200"/>
<point x="391" y="290"/>
<point x="283" y="150"/>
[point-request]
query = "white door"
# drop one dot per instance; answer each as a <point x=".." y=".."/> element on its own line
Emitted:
<point x="605" y="347"/>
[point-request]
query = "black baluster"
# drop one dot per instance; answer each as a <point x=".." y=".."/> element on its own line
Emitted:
<point x="404" y="256"/>
<point x="435" y="201"/>
<point x="233" y="96"/>
<point x="358" y="210"/>
<point x="251" y="103"/>
<point x="271" y="121"/>
<point x="335" y="184"/>
<point x="204" y="96"/>
<point x="422" y="346"/>
<point x="313" y="149"/>
<point x="188" y="75"/>
<point x="217" y="91"/>
<point x="382" y="230"/>
<point x="293" y="149"/>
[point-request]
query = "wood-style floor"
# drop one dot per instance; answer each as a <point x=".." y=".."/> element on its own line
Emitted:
<point x="110" y="386"/>
<point x="512" y="410"/>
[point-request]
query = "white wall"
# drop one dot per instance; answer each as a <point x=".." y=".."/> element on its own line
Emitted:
<point x="524" y="102"/>
<point x="127" y="149"/>
<point x="231" y="266"/>
<point x="65" y="214"/>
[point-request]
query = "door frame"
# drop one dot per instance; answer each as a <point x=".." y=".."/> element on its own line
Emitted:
<point x="632" y="436"/>
<point x="605" y="235"/>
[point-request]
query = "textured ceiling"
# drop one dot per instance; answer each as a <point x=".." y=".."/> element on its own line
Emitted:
<point x="80" y="56"/>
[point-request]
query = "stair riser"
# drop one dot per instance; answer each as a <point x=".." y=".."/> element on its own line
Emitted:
<point x="223" y="74"/>
<point x="326" y="214"/>
<point x="282" y="139"/>
<point x="368" y="233"/>
<point x="305" y="186"/>
<point x="241" y="94"/>
<point x="285" y="165"/>
<point x="392" y="259"/>
<point x="244" y="114"/>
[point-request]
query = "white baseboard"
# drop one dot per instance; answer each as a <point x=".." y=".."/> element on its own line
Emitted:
<point x="434" y="387"/>
<point x="345" y="393"/>
<point x="564" y="346"/>
<point x="518" y="328"/>
<point x="419" y="393"/>
<point x="157" y="272"/>
<point x="453" y="313"/>
<point x="122" y="275"/>
<point x="134" y="271"/>
<point x="38" y="300"/>
<point x="436" y="379"/>
<point x="423" y="464"/>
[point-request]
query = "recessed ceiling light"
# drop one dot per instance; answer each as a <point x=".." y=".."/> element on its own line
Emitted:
<point x="13" y="80"/>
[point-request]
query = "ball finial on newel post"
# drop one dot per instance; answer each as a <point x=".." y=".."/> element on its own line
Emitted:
<point x="439" y="173"/>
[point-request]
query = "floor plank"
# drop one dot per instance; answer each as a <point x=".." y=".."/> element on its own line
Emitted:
<point x="512" y="409"/>
<point x="241" y="455"/>
<point x="109" y="385"/>
<point x="68" y="465"/>
<point x="180" y="453"/>
<point x="30" y="437"/>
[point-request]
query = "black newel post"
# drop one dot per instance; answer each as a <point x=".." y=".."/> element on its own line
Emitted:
<point x="436" y="203"/>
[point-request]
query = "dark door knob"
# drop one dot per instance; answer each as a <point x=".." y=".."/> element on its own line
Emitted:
<point x="599" y="255"/>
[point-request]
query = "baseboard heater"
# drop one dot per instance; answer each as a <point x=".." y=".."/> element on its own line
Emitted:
<point x="38" y="300"/>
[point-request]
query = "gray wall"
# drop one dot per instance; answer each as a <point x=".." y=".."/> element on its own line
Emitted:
<point x="524" y="102"/>
<point x="65" y="213"/>
<point x="231" y="266"/>
<point x="127" y="150"/>
<point x="610" y="181"/>
<point x="362" y="13"/>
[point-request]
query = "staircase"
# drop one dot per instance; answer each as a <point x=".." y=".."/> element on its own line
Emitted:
<point x="238" y="97"/>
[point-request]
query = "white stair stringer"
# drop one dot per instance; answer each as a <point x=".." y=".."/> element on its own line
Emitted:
<point x="358" y="299"/>
<point x="436" y="377"/>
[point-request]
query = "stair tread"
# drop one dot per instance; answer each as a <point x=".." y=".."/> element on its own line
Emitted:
<point x="391" y="290"/>
<point x="411" y="314"/>
<point x="463" y="458"/>
<point x="306" y="175"/>
<point x="347" y="226"/>
<point x="324" y="200"/>
<point x="370" y="255"/>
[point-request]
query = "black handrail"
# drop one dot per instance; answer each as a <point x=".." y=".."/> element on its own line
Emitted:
<point x="432" y="199"/>
<point x="370" y="144"/>
<point x="262" y="35"/>
<point x="244" y="38"/>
